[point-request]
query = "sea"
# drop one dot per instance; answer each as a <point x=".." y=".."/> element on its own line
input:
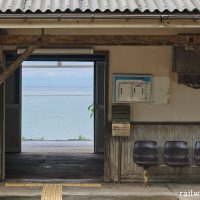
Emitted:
<point x="57" y="113"/>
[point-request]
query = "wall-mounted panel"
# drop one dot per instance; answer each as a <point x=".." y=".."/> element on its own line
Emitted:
<point x="132" y="88"/>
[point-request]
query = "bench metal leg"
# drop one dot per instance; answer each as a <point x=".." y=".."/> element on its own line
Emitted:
<point x="146" y="176"/>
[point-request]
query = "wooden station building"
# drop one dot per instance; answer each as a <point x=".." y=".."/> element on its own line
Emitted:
<point x="160" y="38"/>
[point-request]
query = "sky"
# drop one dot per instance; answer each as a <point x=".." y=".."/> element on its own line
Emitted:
<point x="74" y="75"/>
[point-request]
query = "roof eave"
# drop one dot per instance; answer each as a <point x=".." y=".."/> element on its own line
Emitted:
<point x="127" y="16"/>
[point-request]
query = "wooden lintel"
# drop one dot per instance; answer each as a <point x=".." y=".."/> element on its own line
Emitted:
<point x="9" y="71"/>
<point x="87" y="40"/>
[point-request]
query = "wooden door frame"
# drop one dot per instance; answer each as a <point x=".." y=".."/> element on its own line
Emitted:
<point x="97" y="56"/>
<point x="2" y="121"/>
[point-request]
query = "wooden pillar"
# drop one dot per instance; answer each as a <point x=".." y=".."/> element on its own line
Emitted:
<point x="2" y="120"/>
<point x="107" y="154"/>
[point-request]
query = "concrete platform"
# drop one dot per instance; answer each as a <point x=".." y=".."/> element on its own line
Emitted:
<point x="125" y="191"/>
<point x="58" y="146"/>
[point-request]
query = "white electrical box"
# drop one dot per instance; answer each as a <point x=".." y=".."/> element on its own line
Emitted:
<point x="132" y="88"/>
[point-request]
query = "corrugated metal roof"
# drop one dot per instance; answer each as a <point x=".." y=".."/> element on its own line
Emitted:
<point x="99" y="5"/>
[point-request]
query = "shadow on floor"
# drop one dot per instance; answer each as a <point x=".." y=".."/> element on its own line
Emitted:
<point x="54" y="166"/>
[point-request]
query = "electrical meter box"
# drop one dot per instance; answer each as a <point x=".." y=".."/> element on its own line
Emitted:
<point x="121" y="120"/>
<point x="132" y="88"/>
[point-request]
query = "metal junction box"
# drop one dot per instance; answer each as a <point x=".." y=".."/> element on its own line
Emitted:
<point x="121" y="129"/>
<point x="121" y="120"/>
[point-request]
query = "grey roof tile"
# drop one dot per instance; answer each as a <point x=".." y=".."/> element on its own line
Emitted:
<point x="99" y="5"/>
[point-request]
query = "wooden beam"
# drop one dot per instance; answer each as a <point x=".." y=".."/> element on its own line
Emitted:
<point x="87" y="40"/>
<point x="9" y="71"/>
<point x="3" y="32"/>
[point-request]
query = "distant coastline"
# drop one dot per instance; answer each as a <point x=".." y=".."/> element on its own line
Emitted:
<point x="57" y="114"/>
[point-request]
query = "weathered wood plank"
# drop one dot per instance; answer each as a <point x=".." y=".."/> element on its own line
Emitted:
<point x="9" y="71"/>
<point x="87" y="40"/>
<point x="3" y="32"/>
<point x="107" y="158"/>
<point x="2" y="119"/>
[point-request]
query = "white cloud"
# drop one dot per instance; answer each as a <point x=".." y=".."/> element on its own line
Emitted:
<point x="29" y="73"/>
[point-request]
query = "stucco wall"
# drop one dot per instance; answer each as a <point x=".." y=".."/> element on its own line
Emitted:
<point x="184" y="101"/>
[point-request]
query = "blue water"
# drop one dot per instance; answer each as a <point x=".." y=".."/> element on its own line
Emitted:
<point x="57" y="113"/>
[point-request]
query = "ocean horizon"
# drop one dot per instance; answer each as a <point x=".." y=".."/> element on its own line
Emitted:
<point x="57" y="113"/>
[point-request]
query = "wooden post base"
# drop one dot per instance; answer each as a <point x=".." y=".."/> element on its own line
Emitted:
<point x="146" y="177"/>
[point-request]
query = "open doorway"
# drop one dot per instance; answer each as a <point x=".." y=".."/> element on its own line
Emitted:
<point x="62" y="110"/>
<point x="57" y="107"/>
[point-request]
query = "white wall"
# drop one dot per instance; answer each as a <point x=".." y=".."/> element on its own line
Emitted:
<point x="184" y="101"/>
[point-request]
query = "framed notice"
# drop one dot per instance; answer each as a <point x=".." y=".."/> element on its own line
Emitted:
<point x="132" y="88"/>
